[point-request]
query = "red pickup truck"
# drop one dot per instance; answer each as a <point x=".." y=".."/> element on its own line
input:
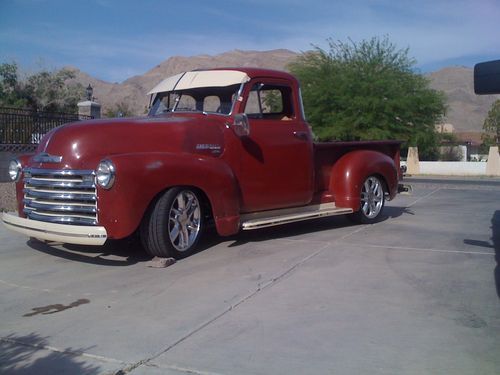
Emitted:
<point x="229" y="147"/>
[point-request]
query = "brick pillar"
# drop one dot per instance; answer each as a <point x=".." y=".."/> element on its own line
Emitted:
<point x="89" y="108"/>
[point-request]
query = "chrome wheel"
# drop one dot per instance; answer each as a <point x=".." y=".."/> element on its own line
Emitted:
<point x="174" y="224"/>
<point x="184" y="220"/>
<point x="372" y="197"/>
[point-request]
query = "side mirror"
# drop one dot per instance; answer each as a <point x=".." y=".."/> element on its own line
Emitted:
<point x="241" y="125"/>
<point x="487" y="77"/>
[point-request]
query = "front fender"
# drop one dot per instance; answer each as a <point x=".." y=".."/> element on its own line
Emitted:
<point x="141" y="177"/>
<point x="351" y="170"/>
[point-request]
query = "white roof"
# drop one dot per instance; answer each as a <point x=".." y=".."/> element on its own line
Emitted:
<point x="203" y="78"/>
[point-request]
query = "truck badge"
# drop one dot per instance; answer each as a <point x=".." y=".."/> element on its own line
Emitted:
<point x="208" y="146"/>
<point x="47" y="158"/>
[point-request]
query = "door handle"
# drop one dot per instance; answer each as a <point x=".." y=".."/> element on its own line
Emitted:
<point x="301" y="135"/>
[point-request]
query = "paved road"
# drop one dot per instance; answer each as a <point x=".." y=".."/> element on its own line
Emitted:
<point x="414" y="294"/>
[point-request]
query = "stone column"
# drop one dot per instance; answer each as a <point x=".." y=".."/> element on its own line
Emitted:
<point x="493" y="165"/>
<point x="89" y="108"/>
<point x="412" y="162"/>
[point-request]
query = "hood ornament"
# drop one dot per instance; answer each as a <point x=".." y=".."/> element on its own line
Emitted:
<point x="47" y="158"/>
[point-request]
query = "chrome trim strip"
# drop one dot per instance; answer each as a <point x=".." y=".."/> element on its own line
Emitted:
<point x="59" y="219"/>
<point x="290" y="217"/>
<point x="60" y="195"/>
<point x="60" y="172"/>
<point x="62" y="184"/>
<point x="60" y="207"/>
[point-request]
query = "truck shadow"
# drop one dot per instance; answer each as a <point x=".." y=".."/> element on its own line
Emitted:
<point x="129" y="251"/>
<point x="308" y="227"/>
<point x="114" y="253"/>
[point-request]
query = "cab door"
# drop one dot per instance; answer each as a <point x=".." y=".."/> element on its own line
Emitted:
<point x="276" y="169"/>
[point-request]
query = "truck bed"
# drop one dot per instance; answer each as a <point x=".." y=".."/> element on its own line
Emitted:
<point x="327" y="153"/>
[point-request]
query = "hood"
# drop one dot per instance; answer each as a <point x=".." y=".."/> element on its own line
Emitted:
<point x="83" y="144"/>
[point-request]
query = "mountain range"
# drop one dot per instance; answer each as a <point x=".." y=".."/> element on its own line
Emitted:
<point x="466" y="111"/>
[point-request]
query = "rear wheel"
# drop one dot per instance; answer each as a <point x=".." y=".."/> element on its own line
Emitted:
<point x="174" y="224"/>
<point x="372" y="201"/>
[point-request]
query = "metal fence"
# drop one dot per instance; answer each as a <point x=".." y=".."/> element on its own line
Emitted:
<point x="21" y="129"/>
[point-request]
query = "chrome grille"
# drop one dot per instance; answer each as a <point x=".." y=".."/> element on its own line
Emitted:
<point x="60" y="196"/>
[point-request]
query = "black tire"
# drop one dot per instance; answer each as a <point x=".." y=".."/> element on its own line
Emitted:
<point x="174" y="224"/>
<point x="372" y="196"/>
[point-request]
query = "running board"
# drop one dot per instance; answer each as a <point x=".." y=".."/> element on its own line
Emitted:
<point x="265" y="219"/>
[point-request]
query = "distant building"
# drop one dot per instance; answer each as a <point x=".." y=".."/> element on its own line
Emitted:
<point x="471" y="140"/>
<point x="445" y="128"/>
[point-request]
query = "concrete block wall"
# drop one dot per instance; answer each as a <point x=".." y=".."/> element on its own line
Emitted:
<point x="454" y="168"/>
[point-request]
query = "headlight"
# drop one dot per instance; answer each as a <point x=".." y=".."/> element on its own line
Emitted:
<point x="15" y="170"/>
<point x="105" y="174"/>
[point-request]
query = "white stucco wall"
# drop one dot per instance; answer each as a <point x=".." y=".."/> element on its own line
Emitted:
<point x="452" y="168"/>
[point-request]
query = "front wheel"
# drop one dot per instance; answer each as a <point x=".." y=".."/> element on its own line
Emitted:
<point x="174" y="224"/>
<point x="372" y="201"/>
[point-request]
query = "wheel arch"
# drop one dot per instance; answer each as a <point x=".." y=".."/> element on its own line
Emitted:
<point x="351" y="170"/>
<point x="141" y="179"/>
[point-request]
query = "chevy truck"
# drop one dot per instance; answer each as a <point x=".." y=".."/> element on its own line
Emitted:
<point x="223" y="147"/>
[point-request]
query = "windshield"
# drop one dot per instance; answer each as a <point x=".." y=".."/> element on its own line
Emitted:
<point x="207" y="99"/>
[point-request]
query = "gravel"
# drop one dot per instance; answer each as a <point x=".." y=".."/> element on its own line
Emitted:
<point x="7" y="196"/>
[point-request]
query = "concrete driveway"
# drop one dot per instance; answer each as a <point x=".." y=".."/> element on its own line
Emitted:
<point x="413" y="294"/>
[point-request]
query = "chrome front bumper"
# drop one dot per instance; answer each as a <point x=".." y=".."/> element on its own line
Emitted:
<point x="74" y="234"/>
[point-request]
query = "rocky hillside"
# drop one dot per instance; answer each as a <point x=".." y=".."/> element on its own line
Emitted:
<point x="133" y="90"/>
<point x="466" y="111"/>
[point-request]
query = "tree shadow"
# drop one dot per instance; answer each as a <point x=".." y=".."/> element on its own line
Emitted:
<point x="495" y="245"/>
<point x="23" y="355"/>
<point x="122" y="253"/>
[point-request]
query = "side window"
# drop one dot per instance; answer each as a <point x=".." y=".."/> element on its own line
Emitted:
<point x="268" y="101"/>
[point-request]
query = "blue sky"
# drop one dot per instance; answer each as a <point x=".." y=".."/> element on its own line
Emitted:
<point x="114" y="40"/>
